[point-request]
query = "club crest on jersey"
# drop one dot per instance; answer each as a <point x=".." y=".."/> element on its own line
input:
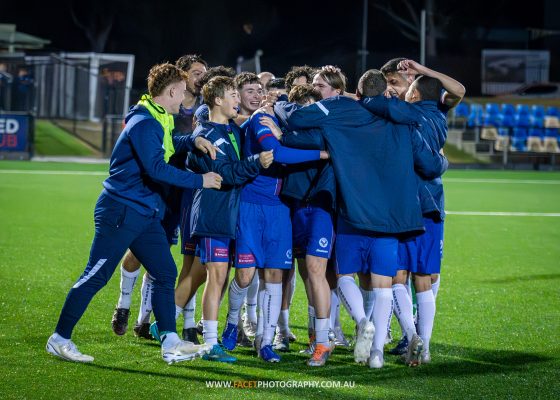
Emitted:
<point x="289" y="254"/>
<point x="323" y="242"/>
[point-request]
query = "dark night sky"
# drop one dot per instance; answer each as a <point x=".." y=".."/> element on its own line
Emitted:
<point x="289" y="32"/>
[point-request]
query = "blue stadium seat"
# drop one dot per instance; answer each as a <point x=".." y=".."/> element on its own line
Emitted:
<point x="551" y="132"/>
<point x="522" y="109"/>
<point x="537" y="111"/>
<point x="536" y="132"/>
<point x="522" y="121"/>
<point x="492" y="108"/>
<point x="508" y="109"/>
<point x="461" y="110"/>
<point x="475" y="116"/>
<point x="519" y="139"/>
<point x="552" y="111"/>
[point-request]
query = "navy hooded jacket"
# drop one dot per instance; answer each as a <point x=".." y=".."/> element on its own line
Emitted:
<point x="215" y="212"/>
<point x="374" y="163"/>
<point x="431" y="121"/>
<point x="138" y="174"/>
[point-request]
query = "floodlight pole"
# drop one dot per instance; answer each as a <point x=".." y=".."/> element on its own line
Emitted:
<point x="423" y="37"/>
<point x="363" y="51"/>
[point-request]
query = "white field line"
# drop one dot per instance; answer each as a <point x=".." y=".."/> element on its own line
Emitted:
<point x="502" y="214"/>
<point x="504" y="181"/>
<point x="33" y="172"/>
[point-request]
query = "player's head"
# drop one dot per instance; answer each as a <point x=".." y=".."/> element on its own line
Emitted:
<point x="298" y="76"/>
<point x="277" y="85"/>
<point x="304" y="94"/>
<point x="329" y="83"/>
<point x="220" y="93"/>
<point x="424" y="88"/>
<point x="265" y="77"/>
<point x="167" y="83"/>
<point x="250" y="92"/>
<point x="397" y="84"/>
<point x="371" y="83"/>
<point x="219" y="70"/>
<point x="195" y="67"/>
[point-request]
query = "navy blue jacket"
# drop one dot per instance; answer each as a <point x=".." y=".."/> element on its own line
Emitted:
<point x="312" y="182"/>
<point x="138" y="174"/>
<point x="215" y="212"/>
<point x="374" y="162"/>
<point x="432" y="123"/>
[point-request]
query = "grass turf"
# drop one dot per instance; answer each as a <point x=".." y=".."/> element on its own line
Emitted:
<point x="51" y="140"/>
<point x="496" y="326"/>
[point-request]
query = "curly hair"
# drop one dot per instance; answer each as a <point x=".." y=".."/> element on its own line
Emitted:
<point x="219" y="70"/>
<point x="163" y="75"/>
<point x="185" y="62"/>
<point x="302" y="94"/>
<point x="245" y="78"/>
<point x="296" y="72"/>
<point x="216" y="87"/>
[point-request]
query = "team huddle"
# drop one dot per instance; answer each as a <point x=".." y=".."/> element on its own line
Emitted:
<point x="263" y="176"/>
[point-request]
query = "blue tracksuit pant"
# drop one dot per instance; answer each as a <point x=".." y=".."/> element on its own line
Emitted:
<point x="118" y="227"/>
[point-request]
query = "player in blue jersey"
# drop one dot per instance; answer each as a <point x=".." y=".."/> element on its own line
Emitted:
<point x="264" y="237"/>
<point x="428" y="99"/>
<point x="194" y="67"/>
<point x="129" y="210"/>
<point x="378" y="202"/>
<point x="214" y="213"/>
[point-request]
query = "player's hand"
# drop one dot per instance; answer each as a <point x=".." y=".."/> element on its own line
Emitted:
<point x="211" y="180"/>
<point x="205" y="146"/>
<point x="410" y="68"/>
<point x="270" y="98"/>
<point x="390" y="93"/>
<point x="269" y="123"/>
<point x="325" y="155"/>
<point x="266" y="158"/>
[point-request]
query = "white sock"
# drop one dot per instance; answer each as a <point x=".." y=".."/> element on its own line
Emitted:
<point x="260" y="314"/>
<point x="322" y="330"/>
<point x="435" y="286"/>
<point x="291" y="289"/>
<point x="283" y="322"/>
<point x="368" y="298"/>
<point x="271" y="310"/>
<point x="381" y="316"/>
<point x="169" y="340"/>
<point x="128" y="280"/>
<point x="178" y="311"/>
<point x="146" y="303"/>
<point x="335" y="308"/>
<point x="310" y="318"/>
<point x="188" y="313"/>
<point x="210" y="331"/>
<point x="236" y="296"/>
<point x="351" y="297"/>
<point x="251" y="299"/>
<point x="59" y="339"/>
<point x="402" y="307"/>
<point x="426" y="315"/>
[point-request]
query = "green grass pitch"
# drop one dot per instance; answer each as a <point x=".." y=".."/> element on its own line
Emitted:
<point x="496" y="330"/>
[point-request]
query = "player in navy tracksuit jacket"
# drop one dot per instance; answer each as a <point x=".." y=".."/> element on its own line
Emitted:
<point x="374" y="162"/>
<point x="427" y="109"/>
<point x="129" y="210"/>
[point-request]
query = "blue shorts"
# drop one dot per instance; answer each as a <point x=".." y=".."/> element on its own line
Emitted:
<point x="212" y="249"/>
<point x="423" y="253"/>
<point x="313" y="232"/>
<point x="264" y="236"/>
<point x="188" y="243"/>
<point x="362" y="251"/>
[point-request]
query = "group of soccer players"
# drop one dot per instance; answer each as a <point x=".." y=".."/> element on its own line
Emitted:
<point x="297" y="172"/>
